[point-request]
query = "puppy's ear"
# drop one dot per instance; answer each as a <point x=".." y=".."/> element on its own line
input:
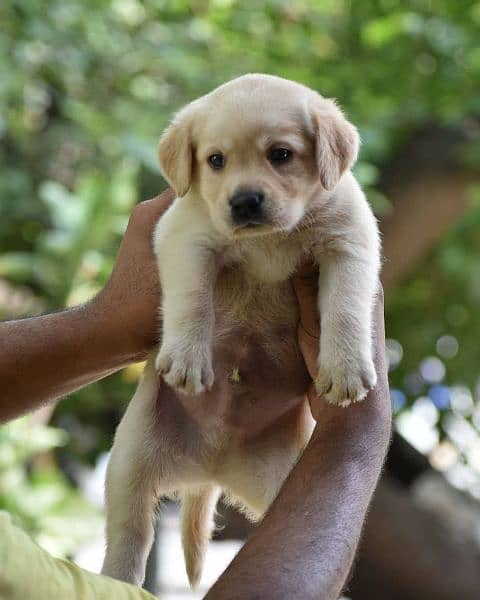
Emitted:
<point x="175" y="153"/>
<point x="336" y="141"/>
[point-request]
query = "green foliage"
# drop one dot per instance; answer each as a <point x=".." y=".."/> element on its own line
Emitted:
<point x="71" y="258"/>
<point x="444" y="295"/>
<point x="40" y="498"/>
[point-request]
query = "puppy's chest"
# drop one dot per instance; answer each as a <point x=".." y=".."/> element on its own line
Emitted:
<point x="271" y="261"/>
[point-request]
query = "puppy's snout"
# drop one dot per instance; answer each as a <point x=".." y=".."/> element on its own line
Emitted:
<point x="246" y="206"/>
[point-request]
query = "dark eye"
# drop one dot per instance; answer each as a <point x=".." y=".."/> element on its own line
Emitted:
<point x="279" y="155"/>
<point x="216" y="161"/>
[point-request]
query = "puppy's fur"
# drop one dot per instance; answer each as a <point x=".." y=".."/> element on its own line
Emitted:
<point x="230" y="317"/>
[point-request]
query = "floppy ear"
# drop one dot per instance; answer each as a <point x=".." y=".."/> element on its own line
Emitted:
<point x="336" y="142"/>
<point x="175" y="154"/>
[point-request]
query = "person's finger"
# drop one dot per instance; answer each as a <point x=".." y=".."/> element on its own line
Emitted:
<point x="305" y="286"/>
<point x="158" y="205"/>
<point x="317" y="403"/>
<point x="147" y="213"/>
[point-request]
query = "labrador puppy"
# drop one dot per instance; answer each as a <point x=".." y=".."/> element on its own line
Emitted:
<point x="261" y="166"/>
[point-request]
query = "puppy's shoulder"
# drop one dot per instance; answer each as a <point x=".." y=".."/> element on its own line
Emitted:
<point x="342" y="219"/>
<point x="186" y="217"/>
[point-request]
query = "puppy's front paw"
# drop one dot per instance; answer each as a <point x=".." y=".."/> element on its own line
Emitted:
<point x="186" y="370"/>
<point x="346" y="381"/>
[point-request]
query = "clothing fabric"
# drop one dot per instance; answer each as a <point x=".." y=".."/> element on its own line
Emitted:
<point x="28" y="571"/>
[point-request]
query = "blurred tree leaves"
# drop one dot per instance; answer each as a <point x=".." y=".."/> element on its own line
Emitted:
<point x="75" y="251"/>
<point x="41" y="499"/>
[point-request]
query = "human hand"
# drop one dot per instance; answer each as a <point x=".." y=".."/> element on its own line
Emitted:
<point x="129" y="301"/>
<point x="305" y="286"/>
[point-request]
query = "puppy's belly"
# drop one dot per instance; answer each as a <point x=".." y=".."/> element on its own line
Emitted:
<point x="259" y="372"/>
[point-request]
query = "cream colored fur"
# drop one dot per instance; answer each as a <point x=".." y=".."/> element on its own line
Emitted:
<point x="222" y="284"/>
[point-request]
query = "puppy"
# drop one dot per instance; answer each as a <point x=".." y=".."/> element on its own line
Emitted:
<point x="261" y="166"/>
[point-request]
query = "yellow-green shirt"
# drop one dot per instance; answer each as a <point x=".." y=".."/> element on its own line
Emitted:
<point x="27" y="572"/>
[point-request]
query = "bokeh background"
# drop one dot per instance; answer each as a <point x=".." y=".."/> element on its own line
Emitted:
<point x="86" y="88"/>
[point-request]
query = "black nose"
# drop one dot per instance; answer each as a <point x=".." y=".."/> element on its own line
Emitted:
<point x="246" y="206"/>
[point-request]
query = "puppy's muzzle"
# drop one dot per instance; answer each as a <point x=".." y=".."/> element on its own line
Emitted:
<point x="247" y="207"/>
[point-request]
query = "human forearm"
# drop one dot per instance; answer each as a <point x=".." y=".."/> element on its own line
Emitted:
<point x="46" y="357"/>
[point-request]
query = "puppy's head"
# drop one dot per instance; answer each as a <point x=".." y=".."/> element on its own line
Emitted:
<point x="257" y="150"/>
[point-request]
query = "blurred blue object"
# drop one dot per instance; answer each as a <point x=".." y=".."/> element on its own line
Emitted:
<point x="398" y="399"/>
<point x="440" y="396"/>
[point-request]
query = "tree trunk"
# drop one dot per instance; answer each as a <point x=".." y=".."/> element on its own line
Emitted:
<point x="424" y="210"/>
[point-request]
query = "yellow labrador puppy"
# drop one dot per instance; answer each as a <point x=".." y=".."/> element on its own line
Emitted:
<point x="261" y="167"/>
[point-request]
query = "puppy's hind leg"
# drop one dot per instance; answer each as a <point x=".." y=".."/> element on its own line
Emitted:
<point x="137" y="474"/>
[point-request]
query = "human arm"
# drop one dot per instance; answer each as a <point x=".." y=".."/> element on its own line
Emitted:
<point x="305" y="546"/>
<point x="43" y="358"/>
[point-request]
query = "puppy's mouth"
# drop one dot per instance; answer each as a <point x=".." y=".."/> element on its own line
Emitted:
<point x="254" y="229"/>
<point x="253" y="226"/>
<point x="250" y="225"/>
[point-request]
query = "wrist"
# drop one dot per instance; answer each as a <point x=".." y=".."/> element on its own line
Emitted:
<point x="113" y="340"/>
<point x="363" y="429"/>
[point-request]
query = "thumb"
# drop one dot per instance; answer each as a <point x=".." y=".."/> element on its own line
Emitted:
<point x="305" y="286"/>
<point x="155" y="207"/>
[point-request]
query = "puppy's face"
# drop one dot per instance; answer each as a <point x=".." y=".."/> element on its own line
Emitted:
<point x="257" y="150"/>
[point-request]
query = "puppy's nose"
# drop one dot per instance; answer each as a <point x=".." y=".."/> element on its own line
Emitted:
<point x="246" y="206"/>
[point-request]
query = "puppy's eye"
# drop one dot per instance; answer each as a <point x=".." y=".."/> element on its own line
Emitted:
<point x="278" y="156"/>
<point x="216" y="161"/>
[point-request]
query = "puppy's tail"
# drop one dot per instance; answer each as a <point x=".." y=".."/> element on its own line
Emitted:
<point x="198" y="509"/>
